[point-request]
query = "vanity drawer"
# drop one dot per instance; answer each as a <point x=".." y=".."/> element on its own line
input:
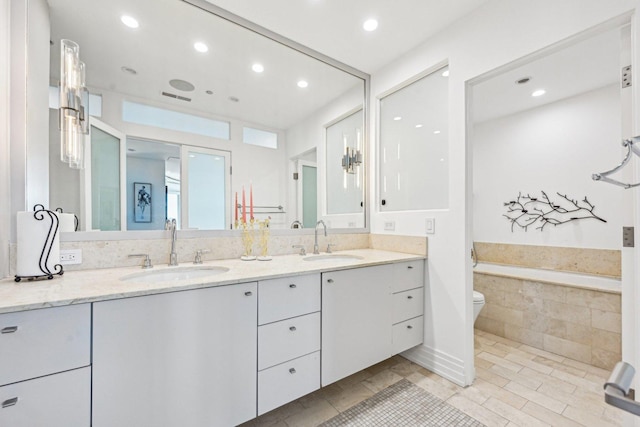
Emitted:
<point x="407" y="334"/>
<point x="288" y="339"/>
<point x="408" y="304"/>
<point x="60" y="400"/>
<point x="286" y="382"/>
<point x="42" y="342"/>
<point x="408" y="275"/>
<point x="288" y="297"/>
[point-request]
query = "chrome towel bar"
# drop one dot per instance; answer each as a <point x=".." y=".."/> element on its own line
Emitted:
<point x="617" y="391"/>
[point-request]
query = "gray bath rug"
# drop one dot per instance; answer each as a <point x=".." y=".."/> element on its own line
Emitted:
<point x="403" y="404"/>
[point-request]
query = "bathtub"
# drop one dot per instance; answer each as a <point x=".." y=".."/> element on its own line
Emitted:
<point x="583" y="281"/>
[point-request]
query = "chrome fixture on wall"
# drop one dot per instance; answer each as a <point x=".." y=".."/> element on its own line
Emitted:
<point x="352" y="157"/>
<point x="631" y="146"/>
<point x="74" y="102"/>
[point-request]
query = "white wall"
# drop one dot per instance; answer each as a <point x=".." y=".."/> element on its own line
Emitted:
<point x="496" y="34"/>
<point x="554" y="148"/>
<point x="29" y="79"/>
<point x="5" y="182"/>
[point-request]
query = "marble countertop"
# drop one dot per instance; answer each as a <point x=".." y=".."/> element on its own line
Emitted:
<point x="85" y="286"/>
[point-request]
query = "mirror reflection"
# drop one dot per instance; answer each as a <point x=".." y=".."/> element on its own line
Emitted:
<point x="183" y="119"/>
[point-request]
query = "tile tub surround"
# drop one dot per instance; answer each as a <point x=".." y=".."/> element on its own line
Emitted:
<point x="581" y="324"/>
<point x="601" y="262"/>
<point x="83" y="286"/>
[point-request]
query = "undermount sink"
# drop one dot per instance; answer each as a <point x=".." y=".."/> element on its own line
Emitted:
<point x="332" y="257"/>
<point x="174" y="274"/>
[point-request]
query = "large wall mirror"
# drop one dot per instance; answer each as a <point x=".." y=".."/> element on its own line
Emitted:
<point x="189" y="108"/>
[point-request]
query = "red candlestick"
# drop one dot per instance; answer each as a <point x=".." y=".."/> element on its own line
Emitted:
<point x="235" y="208"/>
<point x="251" y="201"/>
<point x="244" y="207"/>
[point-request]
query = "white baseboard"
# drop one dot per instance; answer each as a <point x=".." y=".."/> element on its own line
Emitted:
<point x="438" y="362"/>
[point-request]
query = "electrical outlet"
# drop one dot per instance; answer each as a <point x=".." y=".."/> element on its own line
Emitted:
<point x="70" y="256"/>
<point x="390" y="225"/>
<point x="430" y="225"/>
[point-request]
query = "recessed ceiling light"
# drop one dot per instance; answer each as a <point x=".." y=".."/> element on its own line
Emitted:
<point x="201" y="47"/>
<point x="442" y="160"/>
<point x="129" y="70"/>
<point x="435" y="132"/>
<point x="258" y="68"/>
<point x="129" y="21"/>
<point x="445" y="73"/>
<point x="539" y="92"/>
<point x="418" y="126"/>
<point x="370" y="25"/>
<point x="303" y="83"/>
<point x="396" y="118"/>
<point x="182" y="85"/>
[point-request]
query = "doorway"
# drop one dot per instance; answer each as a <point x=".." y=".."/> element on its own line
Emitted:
<point x="538" y="129"/>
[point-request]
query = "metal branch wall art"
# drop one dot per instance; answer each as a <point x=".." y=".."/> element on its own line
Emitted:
<point x="526" y="211"/>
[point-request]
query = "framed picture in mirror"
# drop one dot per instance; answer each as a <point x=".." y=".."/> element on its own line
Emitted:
<point x="142" y="202"/>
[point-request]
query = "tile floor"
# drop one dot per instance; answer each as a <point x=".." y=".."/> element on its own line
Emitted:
<point x="516" y="385"/>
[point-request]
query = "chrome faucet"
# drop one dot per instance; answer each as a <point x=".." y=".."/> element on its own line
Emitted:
<point x="316" y="249"/>
<point x="170" y="225"/>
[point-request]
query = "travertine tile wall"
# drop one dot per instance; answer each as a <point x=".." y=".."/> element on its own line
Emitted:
<point x="115" y="253"/>
<point x="406" y="244"/>
<point x="580" y="324"/>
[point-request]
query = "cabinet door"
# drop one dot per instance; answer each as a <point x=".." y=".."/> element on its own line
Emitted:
<point x="178" y="359"/>
<point x="356" y="320"/>
<point x="42" y="342"/>
<point x="60" y="400"/>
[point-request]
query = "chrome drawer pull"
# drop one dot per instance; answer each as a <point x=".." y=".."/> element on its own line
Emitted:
<point x="292" y="370"/>
<point x="330" y="281"/>
<point x="410" y="297"/>
<point x="410" y="267"/>
<point x="292" y="286"/>
<point x="293" y="328"/>
<point x="248" y="293"/>
<point x="409" y="327"/>
<point x="10" y="402"/>
<point x="9" y="329"/>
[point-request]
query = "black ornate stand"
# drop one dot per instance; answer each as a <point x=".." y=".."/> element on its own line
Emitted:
<point x="40" y="214"/>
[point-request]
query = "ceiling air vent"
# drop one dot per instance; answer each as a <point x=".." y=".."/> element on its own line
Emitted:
<point x="173" y="95"/>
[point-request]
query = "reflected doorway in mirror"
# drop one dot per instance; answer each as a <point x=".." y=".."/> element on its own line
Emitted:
<point x="142" y="203"/>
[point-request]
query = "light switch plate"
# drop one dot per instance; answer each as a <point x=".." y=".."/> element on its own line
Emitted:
<point x="390" y="225"/>
<point x="430" y="225"/>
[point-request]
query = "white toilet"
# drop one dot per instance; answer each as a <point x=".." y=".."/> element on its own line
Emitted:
<point x="478" y="303"/>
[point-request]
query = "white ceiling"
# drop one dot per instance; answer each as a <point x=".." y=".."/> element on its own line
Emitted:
<point x="579" y="68"/>
<point x="334" y="27"/>
<point x="161" y="49"/>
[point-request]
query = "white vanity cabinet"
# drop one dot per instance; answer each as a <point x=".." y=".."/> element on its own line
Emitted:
<point x="368" y="315"/>
<point x="288" y="339"/>
<point x="176" y="359"/>
<point x="356" y="320"/>
<point x="408" y="305"/>
<point x="45" y="378"/>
